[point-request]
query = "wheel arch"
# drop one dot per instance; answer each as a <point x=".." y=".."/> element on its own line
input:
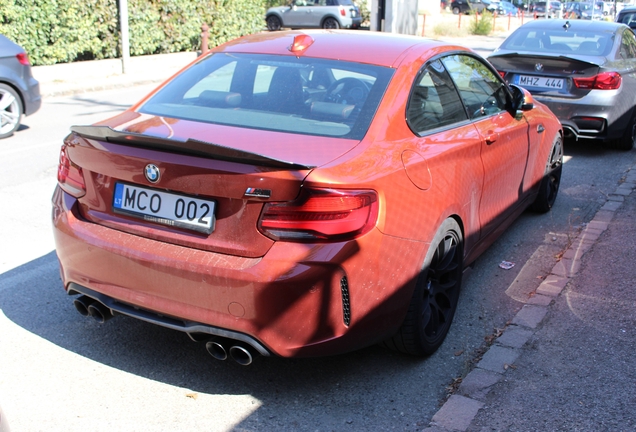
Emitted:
<point x="18" y="91"/>
<point x="276" y="14"/>
<point x="326" y="17"/>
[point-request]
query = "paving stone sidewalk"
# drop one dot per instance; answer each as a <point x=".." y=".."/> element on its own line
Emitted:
<point x="566" y="360"/>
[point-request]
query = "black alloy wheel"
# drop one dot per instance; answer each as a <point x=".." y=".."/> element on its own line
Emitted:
<point x="273" y="23"/>
<point x="436" y="294"/>
<point x="549" y="187"/>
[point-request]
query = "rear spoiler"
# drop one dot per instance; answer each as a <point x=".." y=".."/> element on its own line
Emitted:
<point x="188" y="147"/>
<point x="600" y="60"/>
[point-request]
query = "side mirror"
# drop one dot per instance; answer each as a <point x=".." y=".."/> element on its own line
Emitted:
<point x="522" y="100"/>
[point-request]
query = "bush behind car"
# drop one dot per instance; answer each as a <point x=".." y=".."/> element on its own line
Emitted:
<point x="59" y="31"/>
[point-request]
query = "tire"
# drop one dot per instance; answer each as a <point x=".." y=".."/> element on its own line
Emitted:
<point x="456" y="10"/>
<point x="10" y="111"/>
<point x="626" y="142"/>
<point x="331" y="23"/>
<point x="434" y="300"/>
<point x="273" y="23"/>
<point x="549" y="187"/>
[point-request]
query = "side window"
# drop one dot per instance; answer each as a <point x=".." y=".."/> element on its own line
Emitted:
<point x="480" y="89"/>
<point x="628" y="45"/>
<point x="434" y="101"/>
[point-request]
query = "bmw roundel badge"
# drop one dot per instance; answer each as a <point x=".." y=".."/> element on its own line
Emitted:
<point x="152" y="173"/>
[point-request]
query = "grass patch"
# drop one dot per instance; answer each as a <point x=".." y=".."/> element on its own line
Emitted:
<point x="482" y="25"/>
<point x="449" y="30"/>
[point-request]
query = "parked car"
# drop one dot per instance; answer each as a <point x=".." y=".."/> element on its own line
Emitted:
<point x="627" y="16"/>
<point x="467" y="6"/>
<point x="581" y="10"/>
<point x="506" y="8"/>
<point x="19" y="91"/>
<point x="328" y="14"/>
<point x="282" y="197"/>
<point x="582" y="70"/>
<point x="547" y="9"/>
<point x="566" y="7"/>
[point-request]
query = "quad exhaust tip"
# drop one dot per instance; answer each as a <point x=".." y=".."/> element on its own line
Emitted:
<point x="219" y="348"/>
<point x="88" y="306"/>
<point x="216" y="350"/>
<point x="240" y="353"/>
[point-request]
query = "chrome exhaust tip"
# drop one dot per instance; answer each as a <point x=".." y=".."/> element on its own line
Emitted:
<point x="241" y="355"/>
<point x="99" y="312"/>
<point x="82" y="303"/>
<point x="216" y="350"/>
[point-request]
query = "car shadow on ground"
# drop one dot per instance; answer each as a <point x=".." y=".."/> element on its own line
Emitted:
<point x="31" y="296"/>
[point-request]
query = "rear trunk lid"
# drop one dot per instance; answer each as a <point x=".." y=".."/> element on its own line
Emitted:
<point x="548" y="75"/>
<point x="233" y="171"/>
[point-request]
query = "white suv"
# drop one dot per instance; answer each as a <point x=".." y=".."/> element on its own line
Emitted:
<point x="329" y="14"/>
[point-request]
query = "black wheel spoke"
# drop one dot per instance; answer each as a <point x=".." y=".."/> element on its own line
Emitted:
<point x="442" y="285"/>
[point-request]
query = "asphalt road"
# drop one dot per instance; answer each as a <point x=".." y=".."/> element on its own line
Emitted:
<point x="60" y="371"/>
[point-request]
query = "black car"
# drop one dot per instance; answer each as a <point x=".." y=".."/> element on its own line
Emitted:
<point x="582" y="70"/>
<point x="19" y="91"/>
<point x="466" y="6"/>
<point x="627" y="16"/>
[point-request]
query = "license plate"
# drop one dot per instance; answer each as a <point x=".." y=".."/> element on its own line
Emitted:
<point x="164" y="207"/>
<point x="543" y="82"/>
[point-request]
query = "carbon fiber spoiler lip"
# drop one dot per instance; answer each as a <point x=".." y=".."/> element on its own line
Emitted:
<point x="188" y="147"/>
<point x="548" y="55"/>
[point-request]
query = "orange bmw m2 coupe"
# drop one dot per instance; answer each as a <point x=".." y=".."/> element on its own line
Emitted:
<point x="302" y="193"/>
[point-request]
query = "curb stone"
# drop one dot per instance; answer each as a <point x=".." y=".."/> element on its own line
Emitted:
<point x="458" y="412"/>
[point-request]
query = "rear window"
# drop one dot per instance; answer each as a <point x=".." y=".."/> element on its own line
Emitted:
<point x="278" y="93"/>
<point x="581" y="42"/>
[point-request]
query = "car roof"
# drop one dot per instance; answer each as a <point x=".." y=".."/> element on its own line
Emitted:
<point x="574" y="25"/>
<point x="383" y="49"/>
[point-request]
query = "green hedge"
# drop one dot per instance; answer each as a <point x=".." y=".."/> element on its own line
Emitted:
<point x="60" y="31"/>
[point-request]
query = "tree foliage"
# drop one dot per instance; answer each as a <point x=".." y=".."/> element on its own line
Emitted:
<point x="59" y="31"/>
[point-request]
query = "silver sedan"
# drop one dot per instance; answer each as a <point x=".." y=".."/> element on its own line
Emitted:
<point x="584" y="71"/>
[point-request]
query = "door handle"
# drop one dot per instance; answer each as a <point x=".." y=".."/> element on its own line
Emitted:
<point x="492" y="137"/>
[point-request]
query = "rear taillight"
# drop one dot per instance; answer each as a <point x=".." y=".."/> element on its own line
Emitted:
<point x="502" y="74"/>
<point x="321" y="214"/>
<point x="342" y="11"/>
<point x="69" y="175"/>
<point x="602" y="81"/>
<point x="23" y="58"/>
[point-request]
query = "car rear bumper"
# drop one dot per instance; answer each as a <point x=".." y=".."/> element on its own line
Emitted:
<point x="355" y="23"/>
<point x="297" y="300"/>
<point x="599" y="115"/>
<point x="32" y="97"/>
